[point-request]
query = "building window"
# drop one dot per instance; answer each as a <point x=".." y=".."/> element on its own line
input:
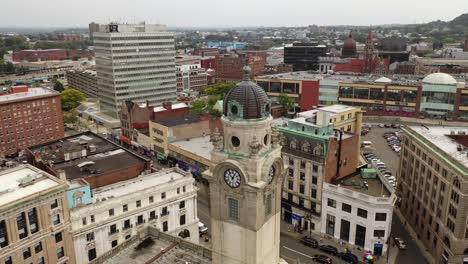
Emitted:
<point x="56" y="219"/>
<point x="26" y="253"/>
<point x="301" y="188"/>
<point x="301" y="201"/>
<point x="90" y="236"/>
<point x="290" y="172"/>
<point x="313" y="193"/>
<point x="290" y="185"/>
<point x="41" y="260"/>
<point x="314" y="180"/>
<point x="3" y="234"/>
<point x="379" y="233"/>
<point x="183" y="188"/>
<point x="83" y="220"/>
<point x="151" y="199"/>
<point x="182" y="204"/>
<point x="54" y="204"/>
<point x="152" y="215"/>
<point x="91" y="254"/>
<point x="127" y="224"/>
<point x="330" y="230"/>
<point x="346" y="207"/>
<point x="163" y="195"/>
<point x="344" y="230"/>
<point x="302" y="176"/>
<point x="33" y="221"/>
<point x="268" y="204"/>
<point x="165" y="226"/>
<point x="233" y="209"/>
<point x="38" y="247"/>
<point x="362" y="213"/>
<point x="331" y="203"/>
<point x="111" y="212"/>
<point x="315" y="168"/>
<point x="92" y="218"/>
<point x="21" y="223"/>
<point x="178" y="190"/>
<point x="113" y="229"/>
<point x="138" y="203"/>
<point x="140" y="220"/>
<point x="182" y="220"/>
<point x="114" y="243"/>
<point x="380" y="217"/>
<point x="8" y="260"/>
<point x="58" y="237"/>
<point x="125" y="207"/>
<point x="360" y="239"/>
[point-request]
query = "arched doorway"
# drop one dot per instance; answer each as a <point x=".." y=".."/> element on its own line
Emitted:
<point x="184" y="233"/>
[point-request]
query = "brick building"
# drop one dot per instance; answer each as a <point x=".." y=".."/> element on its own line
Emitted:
<point x="303" y="87"/>
<point x="29" y="116"/>
<point x="48" y="54"/>
<point x="88" y="156"/>
<point x="229" y="67"/>
<point x="136" y="116"/>
<point x="191" y="76"/>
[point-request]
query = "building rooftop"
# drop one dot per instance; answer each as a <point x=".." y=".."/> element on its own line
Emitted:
<point x="23" y="181"/>
<point x="439" y="78"/>
<point x="298" y="75"/>
<point x="161" y="108"/>
<point x="200" y="146"/>
<point x="370" y="186"/>
<point x="138" y="184"/>
<point x="31" y="93"/>
<point x="164" y="249"/>
<point x="453" y="141"/>
<point x="85" y="154"/>
<point x="337" y="108"/>
<point x="176" y="121"/>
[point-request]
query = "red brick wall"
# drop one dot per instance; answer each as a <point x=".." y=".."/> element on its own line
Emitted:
<point x="310" y="95"/>
<point x="349" y="150"/>
<point x="116" y="176"/>
<point x="25" y="123"/>
<point x="171" y="113"/>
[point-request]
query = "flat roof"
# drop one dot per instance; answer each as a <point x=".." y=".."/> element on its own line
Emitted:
<point x="175" y="121"/>
<point x="370" y="186"/>
<point x="86" y="154"/>
<point x="35" y="181"/>
<point x="31" y="93"/>
<point x="337" y="108"/>
<point x="441" y="137"/>
<point x="137" y="184"/>
<point x="200" y="146"/>
<point x="298" y="75"/>
<point x="166" y="249"/>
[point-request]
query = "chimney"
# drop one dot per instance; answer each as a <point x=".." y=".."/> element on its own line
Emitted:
<point x="167" y="105"/>
<point x="62" y="175"/>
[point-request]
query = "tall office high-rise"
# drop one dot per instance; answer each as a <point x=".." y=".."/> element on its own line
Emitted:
<point x="134" y="62"/>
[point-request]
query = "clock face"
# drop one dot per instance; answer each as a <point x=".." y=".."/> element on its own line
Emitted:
<point x="271" y="174"/>
<point x="232" y="178"/>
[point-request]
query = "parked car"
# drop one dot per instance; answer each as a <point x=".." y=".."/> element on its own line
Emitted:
<point x="348" y="257"/>
<point x="394" y="126"/>
<point x="381" y="125"/>
<point x="364" y="132"/>
<point x="202" y="229"/>
<point x="387" y="126"/>
<point x="328" y="249"/>
<point x="310" y="242"/>
<point x="322" y="259"/>
<point x="400" y="243"/>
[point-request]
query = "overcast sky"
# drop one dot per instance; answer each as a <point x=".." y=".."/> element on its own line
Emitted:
<point x="217" y="13"/>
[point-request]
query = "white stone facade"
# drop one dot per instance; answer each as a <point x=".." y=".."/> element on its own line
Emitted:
<point x="134" y="62"/>
<point x="377" y="227"/>
<point x="119" y="210"/>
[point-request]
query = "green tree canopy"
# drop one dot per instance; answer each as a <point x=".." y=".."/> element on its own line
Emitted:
<point x="71" y="99"/>
<point x="198" y="106"/>
<point x="70" y="117"/>
<point x="218" y="89"/>
<point x="58" y="86"/>
<point x="285" y="101"/>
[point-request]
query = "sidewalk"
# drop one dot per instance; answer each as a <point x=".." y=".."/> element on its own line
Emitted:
<point x="288" y="230"/>
<point x="414" y="236"/>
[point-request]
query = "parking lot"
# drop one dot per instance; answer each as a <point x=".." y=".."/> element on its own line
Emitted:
<point x="391" y="159"/>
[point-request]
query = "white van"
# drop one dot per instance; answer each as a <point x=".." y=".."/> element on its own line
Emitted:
<point x="366" y="144"/>
<point x="202" y="229"/>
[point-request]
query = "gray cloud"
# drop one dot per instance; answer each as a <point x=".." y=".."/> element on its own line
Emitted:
<point x="214" y="13"/>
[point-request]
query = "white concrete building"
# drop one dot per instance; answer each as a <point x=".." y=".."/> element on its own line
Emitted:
<point x="358" y="213"/>
<point x="135" y="62"/>
<point x="115" y="213"/>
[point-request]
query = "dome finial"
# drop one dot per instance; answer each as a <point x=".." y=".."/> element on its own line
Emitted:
<point x="247" y="71"/>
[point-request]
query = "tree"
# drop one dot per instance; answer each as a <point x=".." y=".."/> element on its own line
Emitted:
<point x="71" y="99"/>
<point x="198" y="106"/>
<point x="285" y="101"/>
<point x="58" y="86"/>
<point x="70" y="117"/>
<point x="218" y="89"/>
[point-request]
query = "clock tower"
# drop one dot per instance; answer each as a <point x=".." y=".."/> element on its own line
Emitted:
<point x="245" y="182"/>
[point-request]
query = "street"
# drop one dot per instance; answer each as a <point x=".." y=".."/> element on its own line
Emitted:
<point x="412" y="255"/>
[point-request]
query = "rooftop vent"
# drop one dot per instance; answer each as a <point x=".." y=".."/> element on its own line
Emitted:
<point x="452" y="132"/>
<point x="460" y="147"/>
